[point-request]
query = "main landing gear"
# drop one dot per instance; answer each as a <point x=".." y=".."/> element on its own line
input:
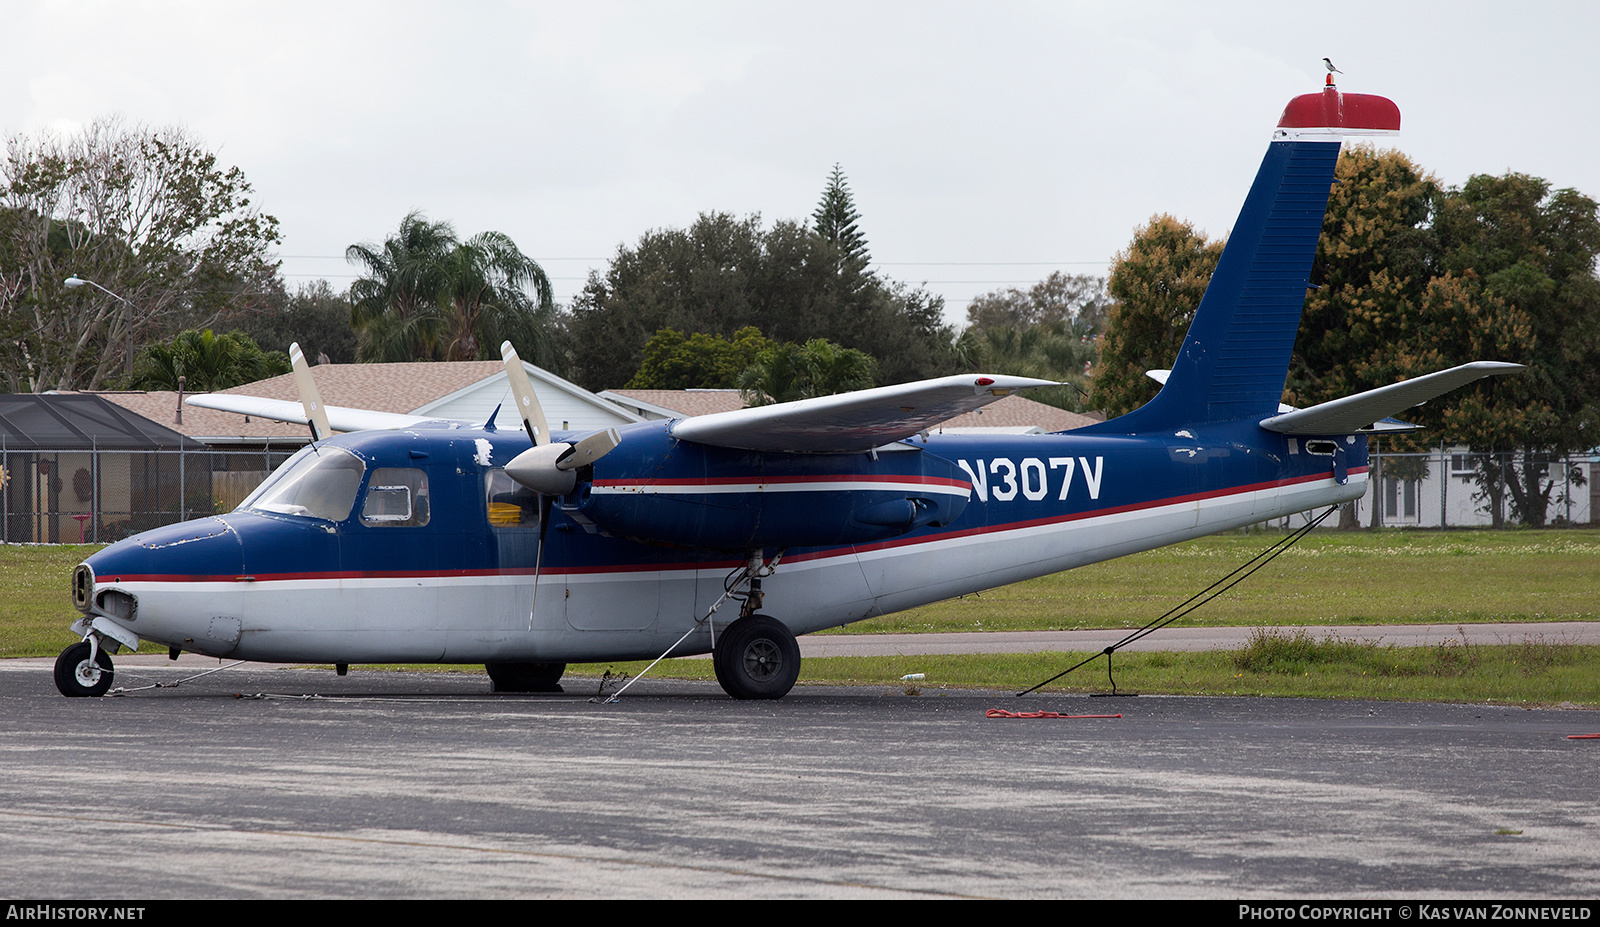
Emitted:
<point x="84" y="671"/>
<point x="756" y="657"/>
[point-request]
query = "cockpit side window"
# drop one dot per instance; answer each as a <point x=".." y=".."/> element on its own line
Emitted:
<point x="510" y="504"/>
<point x="397" y="497"/>
<point x="320" y="483"/>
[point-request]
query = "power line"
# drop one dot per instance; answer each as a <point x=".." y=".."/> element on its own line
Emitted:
<point x="340" y="257"/>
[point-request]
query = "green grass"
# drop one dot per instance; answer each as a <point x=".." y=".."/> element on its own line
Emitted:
<point x="1543" y="671"/>
<point x="1331" y="578"/>
<point x="36" y="597"/>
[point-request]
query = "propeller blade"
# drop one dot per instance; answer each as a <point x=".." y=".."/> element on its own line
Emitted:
<point x="527" y="403"/>
<point x="538" y="557"/>
<point x="310" y="399"/>
<point x="590" y="449"/>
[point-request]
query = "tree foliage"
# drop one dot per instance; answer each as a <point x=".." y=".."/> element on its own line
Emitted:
<point x="1050" y="331"/>
<point x="147" y="214"/>
<point x="1060" y="350"/>
<point x="1156" y="282"/>
<point x="207" y="362"/>
<point x="1080" y="298"/>
<point x="1410" y="278"/>
<point x="723" y="274"/>
<point x="1374" y="260"/>
<point x="426" y="295"/>
<point x="1525" y="257"/>
<point x="836" y="219"/>
<point x="786" y="372"/>
<point x="313" y="316"/>
<point x="673" y="360"/>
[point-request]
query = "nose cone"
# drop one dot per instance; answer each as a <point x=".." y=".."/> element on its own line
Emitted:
<point x="203" y="548"/>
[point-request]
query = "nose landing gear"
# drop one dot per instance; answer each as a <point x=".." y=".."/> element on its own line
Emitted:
<point x="84" y="671"/>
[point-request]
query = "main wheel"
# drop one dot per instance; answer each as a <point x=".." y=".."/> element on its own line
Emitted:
<point x="757" y="657"/>
<point x="526" y="677"/>
<point x="79" y="677"/>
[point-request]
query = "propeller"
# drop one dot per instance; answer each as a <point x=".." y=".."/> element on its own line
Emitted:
<point x="548" y="468"/>
<point x="310" y="399"/>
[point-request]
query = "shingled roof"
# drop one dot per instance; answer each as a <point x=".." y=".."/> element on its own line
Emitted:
<point x="399" y="388"/>
<point x="448" y="389"/>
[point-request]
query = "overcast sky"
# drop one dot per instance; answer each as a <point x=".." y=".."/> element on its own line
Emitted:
<point x="986" y="144"/>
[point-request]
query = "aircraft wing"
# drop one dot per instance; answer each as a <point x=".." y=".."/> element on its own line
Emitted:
<point x="857" y="421"/>
<point x="285" y="410"/>
<point x="1361" y="411"/>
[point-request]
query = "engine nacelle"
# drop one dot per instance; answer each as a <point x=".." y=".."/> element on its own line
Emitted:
<point x="658" y="489"/>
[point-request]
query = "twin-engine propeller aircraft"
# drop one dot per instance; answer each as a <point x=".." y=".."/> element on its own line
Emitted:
<point x="407" y="540"/>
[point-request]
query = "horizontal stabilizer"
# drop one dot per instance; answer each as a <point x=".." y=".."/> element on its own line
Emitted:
<point x="284" y="410"/>
<point x="856" y="421"/>
<point x="1360" y="412"/>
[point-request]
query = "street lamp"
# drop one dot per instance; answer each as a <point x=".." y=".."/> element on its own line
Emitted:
<point x="75" y="281"/>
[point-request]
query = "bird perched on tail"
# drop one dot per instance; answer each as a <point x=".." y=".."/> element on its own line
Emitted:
<point x="1331" y="68"/>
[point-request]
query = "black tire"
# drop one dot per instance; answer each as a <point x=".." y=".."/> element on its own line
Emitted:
<point x="76" y="677"/>
<point x="525" y="677"/>
<point x="757" y="657"/>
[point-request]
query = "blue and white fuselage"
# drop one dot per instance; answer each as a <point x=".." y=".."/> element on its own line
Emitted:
<point x="453" y="543"/>
<point x="458" y="584"/>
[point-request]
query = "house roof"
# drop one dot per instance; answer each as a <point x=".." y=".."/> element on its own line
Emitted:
<point x="402" y="388"/>
<point x="676" y="403"/>
<point x="464" y="390"/>
<point x="211" y="425"/>
<point x="1013" y="413"/>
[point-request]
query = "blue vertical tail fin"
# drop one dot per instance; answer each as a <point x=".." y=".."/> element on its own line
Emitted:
<point x="1235" y="358"/>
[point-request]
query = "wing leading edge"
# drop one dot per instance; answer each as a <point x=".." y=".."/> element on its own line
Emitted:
<point x="286" y="410"/>
<point x="857" y="421"/>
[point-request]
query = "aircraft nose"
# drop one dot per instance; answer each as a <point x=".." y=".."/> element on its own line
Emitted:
<point x="206" y="547"/>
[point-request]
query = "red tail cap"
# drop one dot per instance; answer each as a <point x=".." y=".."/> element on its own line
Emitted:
<point x="1334" y="110"/>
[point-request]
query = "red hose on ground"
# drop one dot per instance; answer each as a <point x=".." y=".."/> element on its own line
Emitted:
<point x="1002" y="713"/>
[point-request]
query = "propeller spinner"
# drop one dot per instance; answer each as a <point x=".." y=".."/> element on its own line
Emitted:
<point x="548" y="467"/>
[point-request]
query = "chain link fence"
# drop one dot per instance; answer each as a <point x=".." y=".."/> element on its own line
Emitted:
<point x="95" y="497"/>
<point x="1458" y="489"/>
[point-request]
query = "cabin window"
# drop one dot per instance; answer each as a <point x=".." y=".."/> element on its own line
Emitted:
<point x="510" y="504"/>
<point x="397" y="497"/>
<point x="318" y="482"/>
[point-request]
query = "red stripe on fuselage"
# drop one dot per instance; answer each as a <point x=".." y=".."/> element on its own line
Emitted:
<point x="790" y="480"/>
<point x="729" y="564"/>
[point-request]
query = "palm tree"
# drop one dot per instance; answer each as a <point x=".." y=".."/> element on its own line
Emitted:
<point x="787" y="372"/>
<point x="207" y="362"/>
<point x="1060" y="350"/>
<point x="426" y="295"/>
<point x="394" y="305"/>
<point x="487" y="295"/>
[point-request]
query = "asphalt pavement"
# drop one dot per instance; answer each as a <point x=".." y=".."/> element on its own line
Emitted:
<point x="284" y="782"/>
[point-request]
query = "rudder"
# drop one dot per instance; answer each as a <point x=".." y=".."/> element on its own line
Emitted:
<point x="1235" y="357"/>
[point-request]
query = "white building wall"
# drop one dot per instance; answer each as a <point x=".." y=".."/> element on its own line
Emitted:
<point x="566" y="405"/>
<point x="1445" y="496"/>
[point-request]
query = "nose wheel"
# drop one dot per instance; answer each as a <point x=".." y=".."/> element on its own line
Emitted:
<point x="84" y="671"/>
<point x="756" y="658"/>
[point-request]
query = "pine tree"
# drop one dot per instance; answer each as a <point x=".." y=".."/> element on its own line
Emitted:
<point x="836" y="219"/>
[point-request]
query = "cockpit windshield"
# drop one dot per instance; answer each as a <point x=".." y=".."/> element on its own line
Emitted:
<point x="320" y="482"/>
